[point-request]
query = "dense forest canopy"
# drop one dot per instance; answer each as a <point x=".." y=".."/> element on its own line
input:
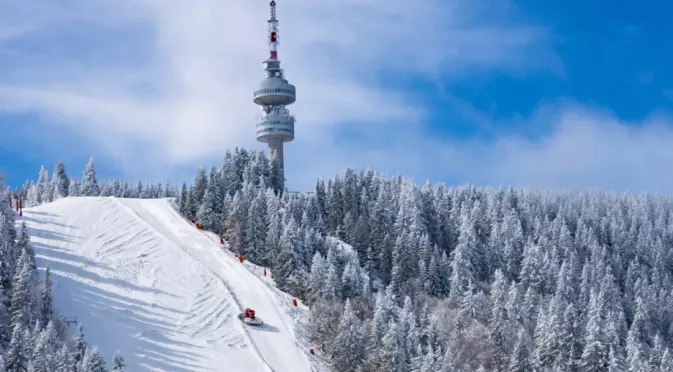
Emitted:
<point x="437" y="278"/>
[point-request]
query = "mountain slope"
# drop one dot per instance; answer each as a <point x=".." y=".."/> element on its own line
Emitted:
<point x="144" y="281"/>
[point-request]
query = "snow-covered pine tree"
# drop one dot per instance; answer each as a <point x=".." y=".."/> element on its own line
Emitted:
<point x="403" y="270"/>
<point x="20" y="309"/>
<point x="47" y="312"/>
<point x="616" y="362"/>
<point x="93" y="361"/>
<point x="79" y="346"/>
<point x="288" y="272"/>
<point x="352" y="283"/>
<point x="513" y="243"/>
<point x="234" y="224"/>
<point x="256" y="229"/>
<point x="462" y="270"/>
<point x="595" y="357"/>
<point x="200" y="185"/>
<point x="33" y="197"/>
<point x="317" y="279"/>
<point x="89" y="182"/>
<point x="44" y="187"/>
<point x="275" y="178"/>
<point x="548" y="346"/>
<point x="118" y="363"/>
<point x="207" y="212"/>
<point x="23" y="244"/>
<point x="570" y="339"/>
<point x="5" y="320"/>
<point x="42" y="355"/>
<point x="184" y="198"/>
<point x="18" y="357"/>
<point x="499" y="330"/>
<point x="346" y="350"/>
<point x="275" y="228"/>
<point x="63" y="360"/>
<point x="520" y="359"/>
<point x="332" y="289"/>
<point x="393" y="350"/>
<point x="62" y="182"/>
<point x="107" y="189"/>
<point x="75" y="188"/>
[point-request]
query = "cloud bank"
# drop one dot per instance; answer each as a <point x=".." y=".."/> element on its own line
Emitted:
<point x="580" y="147"/>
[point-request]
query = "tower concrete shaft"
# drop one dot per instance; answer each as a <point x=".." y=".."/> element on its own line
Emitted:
<point x="276" y="125"/>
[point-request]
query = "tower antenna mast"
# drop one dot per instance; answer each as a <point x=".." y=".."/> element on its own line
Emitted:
<point x="273" y="32"/>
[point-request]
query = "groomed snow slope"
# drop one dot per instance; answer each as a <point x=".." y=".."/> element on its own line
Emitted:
<point x="144" y="281"/>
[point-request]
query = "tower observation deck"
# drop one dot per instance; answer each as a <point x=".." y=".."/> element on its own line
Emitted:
<point x="275" y="125"/>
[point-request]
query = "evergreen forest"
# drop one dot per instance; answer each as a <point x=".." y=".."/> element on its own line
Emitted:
<point x="401" y="277"/>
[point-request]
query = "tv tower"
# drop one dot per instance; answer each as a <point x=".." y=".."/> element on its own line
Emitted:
<point x="276" y="125"/>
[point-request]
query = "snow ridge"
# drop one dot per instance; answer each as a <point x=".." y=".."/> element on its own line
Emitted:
<point x="206" y="319"/>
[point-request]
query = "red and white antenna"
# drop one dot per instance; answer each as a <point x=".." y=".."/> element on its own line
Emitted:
<point x="273" y="32"/>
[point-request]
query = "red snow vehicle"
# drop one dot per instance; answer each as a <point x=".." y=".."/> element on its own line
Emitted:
<point x="248" y="317"/>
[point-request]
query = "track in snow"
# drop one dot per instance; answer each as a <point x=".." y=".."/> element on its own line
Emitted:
<point x="144" y="281"/>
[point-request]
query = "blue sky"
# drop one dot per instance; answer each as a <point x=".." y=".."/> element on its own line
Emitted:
<point x="528" y="93"/>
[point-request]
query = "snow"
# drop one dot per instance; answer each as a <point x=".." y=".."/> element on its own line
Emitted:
<point x="144" y="281"/>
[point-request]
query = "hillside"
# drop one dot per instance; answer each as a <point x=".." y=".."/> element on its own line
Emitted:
<point x="144" y="281"/>
<point x="437" y="278"/>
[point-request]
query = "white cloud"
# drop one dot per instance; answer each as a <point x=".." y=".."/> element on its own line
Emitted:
<point x="185" y="95"/>
<point x="582" y="147"/>
<point x="587" y="149"/>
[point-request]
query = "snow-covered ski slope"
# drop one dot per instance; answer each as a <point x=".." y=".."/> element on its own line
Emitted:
<point x="142" y="280"/>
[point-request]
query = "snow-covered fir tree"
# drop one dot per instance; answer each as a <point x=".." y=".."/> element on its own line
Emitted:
<point x="118" y="363"/>
<point x="90" y="185"/>
<point x="43" y="186"/>
<point x="60" y="181"/>
<point x="347" y="348"/>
